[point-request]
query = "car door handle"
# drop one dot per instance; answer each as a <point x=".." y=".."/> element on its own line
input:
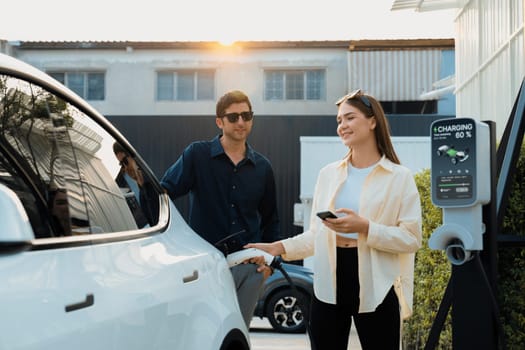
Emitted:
<point x="90" y="300"/>
<point x="192" y="277"/>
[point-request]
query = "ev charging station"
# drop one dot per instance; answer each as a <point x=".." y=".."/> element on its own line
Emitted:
<point x="465" y="175"/>
<point x="460" y="183"/>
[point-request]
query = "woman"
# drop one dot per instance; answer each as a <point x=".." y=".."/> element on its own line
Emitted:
<point x="364" y="258"/>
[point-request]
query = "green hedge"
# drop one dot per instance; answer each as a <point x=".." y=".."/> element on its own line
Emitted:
<point x="432" y="272"/>
<point x="431" y="275"/>
<point x="511" y="264"/>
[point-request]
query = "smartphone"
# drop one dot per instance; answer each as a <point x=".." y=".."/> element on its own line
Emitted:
<point x="326" y="214"/>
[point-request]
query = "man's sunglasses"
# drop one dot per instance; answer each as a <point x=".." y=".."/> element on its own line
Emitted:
<point x="234" y="117"/>
<point x="355" y="94"/>
<point x="124" y="161"/>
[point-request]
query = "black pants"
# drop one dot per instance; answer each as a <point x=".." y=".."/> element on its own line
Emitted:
<point x="330" y="324"/>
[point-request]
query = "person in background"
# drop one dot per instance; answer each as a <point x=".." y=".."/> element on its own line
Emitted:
<point x="364" y="257"/>
<point x="140" y="194"/>
<point x="232" y="195"/>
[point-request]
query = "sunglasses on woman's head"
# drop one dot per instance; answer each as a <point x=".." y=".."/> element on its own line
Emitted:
<point x="234" y="117"/>
<point x="355" y="94"/>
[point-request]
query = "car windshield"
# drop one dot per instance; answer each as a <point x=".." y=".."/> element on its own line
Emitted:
<point x="62" y="159"/>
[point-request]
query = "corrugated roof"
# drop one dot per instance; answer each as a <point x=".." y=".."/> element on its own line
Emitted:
<point x="352" y="45"/>
<point x="174" y="45"/>
<point x="426" y="5"/>
<point x="401" y="44"/>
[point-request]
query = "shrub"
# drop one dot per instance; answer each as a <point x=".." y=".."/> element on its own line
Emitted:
<point x="511" y="264"/>
<point x="431" y="275"/>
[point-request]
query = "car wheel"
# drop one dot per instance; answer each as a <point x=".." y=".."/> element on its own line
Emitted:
<point x="286" y="312"/>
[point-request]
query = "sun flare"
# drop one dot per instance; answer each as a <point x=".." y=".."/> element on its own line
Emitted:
<point x="227" y="42"/>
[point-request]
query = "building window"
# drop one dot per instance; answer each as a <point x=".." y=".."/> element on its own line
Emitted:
<point x="410" y="107"/>
<point x="88" y="85"/>
<point x="294" y="84"/>
<point x="185" y="85"/>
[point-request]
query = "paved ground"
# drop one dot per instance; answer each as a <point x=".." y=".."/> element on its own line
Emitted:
<point x="264" y="338"/>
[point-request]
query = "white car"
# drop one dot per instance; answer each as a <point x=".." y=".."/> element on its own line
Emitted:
<point x="76" y="270"/>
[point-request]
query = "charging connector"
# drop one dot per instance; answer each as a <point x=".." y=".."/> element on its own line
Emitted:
<point x="245" y="254"/>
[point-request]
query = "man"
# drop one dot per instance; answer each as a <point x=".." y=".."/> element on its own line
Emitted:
<point x="141" y="197"/>
<point x="232" y="193"/>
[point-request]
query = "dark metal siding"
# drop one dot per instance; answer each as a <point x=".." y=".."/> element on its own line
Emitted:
<point x="161" y="139"/>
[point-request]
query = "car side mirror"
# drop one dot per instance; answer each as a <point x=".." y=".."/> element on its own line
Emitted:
<point x="16" y="232"/>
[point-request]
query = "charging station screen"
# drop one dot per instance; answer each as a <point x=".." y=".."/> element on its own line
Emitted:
<point x="453" y="163"/>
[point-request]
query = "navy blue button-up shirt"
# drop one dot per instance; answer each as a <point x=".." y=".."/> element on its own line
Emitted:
<point x="225" y="198"/>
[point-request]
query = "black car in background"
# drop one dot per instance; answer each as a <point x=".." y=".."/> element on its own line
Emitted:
<point x="285" y="308"/>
